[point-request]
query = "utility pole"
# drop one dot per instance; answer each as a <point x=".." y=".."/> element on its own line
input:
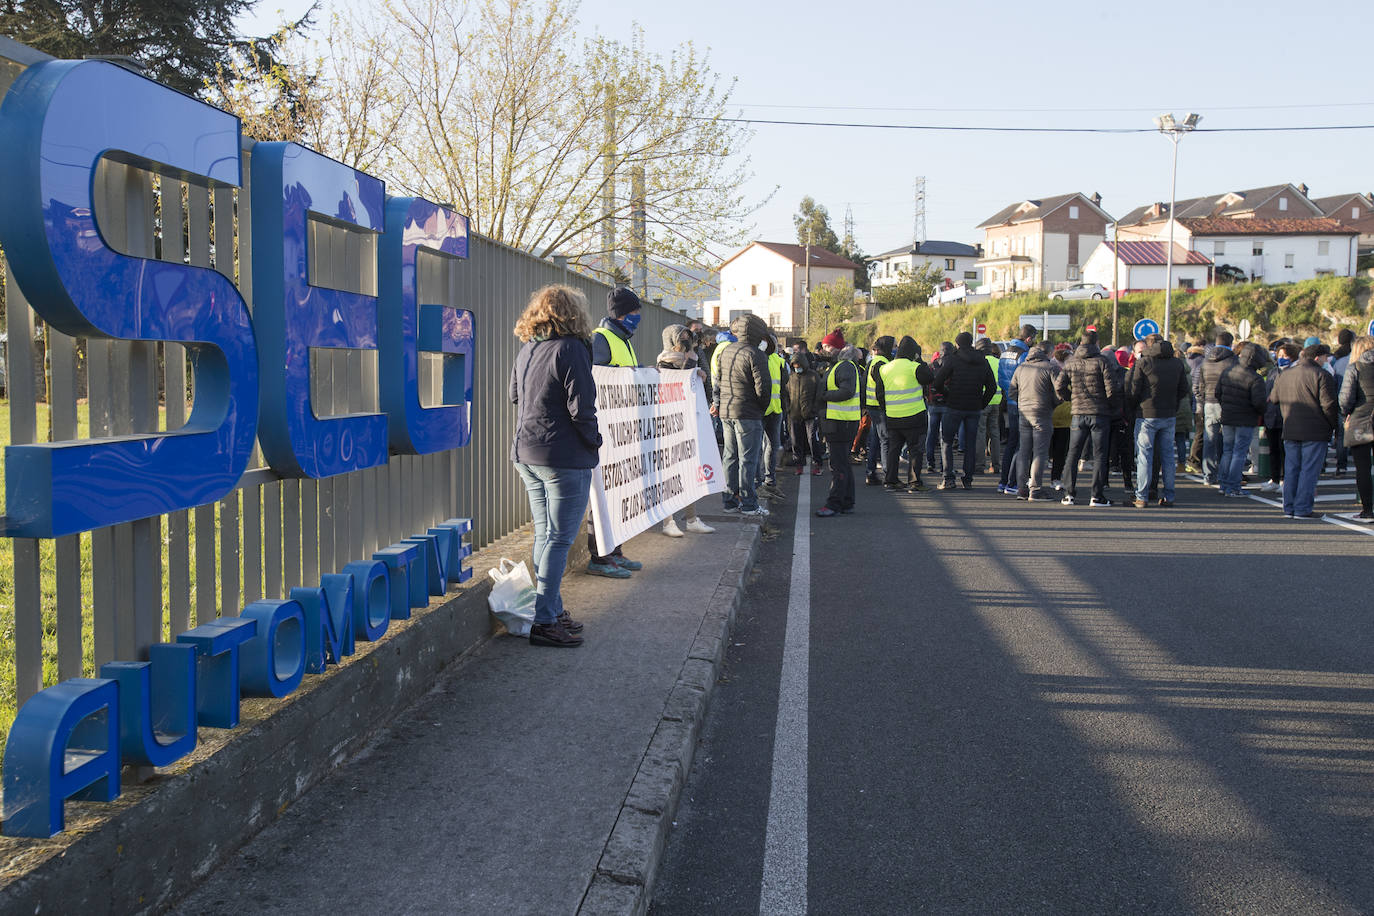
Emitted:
<point x="1116" y="284"/>
<point x="918" y="227"/>
<point x="806" y="283"/>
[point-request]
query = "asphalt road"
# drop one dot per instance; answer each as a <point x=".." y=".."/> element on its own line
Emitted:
<point x="1014" y="707"/>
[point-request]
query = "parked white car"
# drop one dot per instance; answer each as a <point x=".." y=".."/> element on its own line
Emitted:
<point x="1081" y="291"/>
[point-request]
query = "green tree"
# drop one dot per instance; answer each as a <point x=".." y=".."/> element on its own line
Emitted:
<point x="832" y="304"/>
<point x="181" y="44"/>
<point x="913" y="290"/>
<point x="813" y="228"/>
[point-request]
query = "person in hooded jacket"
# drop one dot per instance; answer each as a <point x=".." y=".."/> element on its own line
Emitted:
<point x="1063" y="420"/>
<point x="1306" y="397"/>
<point x="1194" y="356"/>
<point x="611" y="346"/>
<point x="1357" y="406"/>
<point x="1241" y="394"/>
<point x="1121" y="449"/>
<point x="743" y="393"/>
<point x="843" y="401"/>
<point x="1205" y="378"/>
<point x="988" y="439"/>
<point x="767" y="479"/>
<point x="1273" y="419"/>
<point x="877" y="423"/>
<point x="679" y="353"/>
<point x="1336" y="365"/>
<point x="1014" y="355"/>
<point x="968" y="384"/>
<point x="900" y="393"/>
<point x="1155" y="386"/>
<point x="1089" y="382"/>
<point x="806" y="404"/>
<point x="935" y="406"/>
<point x="1033" y="389"/>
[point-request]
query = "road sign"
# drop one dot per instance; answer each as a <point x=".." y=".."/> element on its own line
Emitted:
<point x="1144" y="328"/>
<point x="1046" y="321"/>
<point x="1370" y="330"/>
<point x="982" y="328"/>
<point x="1244" y="329"/>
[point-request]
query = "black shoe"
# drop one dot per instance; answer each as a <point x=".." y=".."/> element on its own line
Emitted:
<point x="949" y="485"/>
<point x="553" y="634"/>
<point x="871" y="480"/>
<point x="849" y="511"/>
<point x="968" y="484"/>
<point x="917" y="487"/>
<point x="572" y="626"/>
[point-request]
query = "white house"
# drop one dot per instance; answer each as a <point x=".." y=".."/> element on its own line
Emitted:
<point x="957" y="262"/>
<point x="768" y="279"/>
<point x="1353" y="211"/>
<point x="1142" y="266"/>
<point x="1040" y="243"/>
<point x="1265" y="249"/>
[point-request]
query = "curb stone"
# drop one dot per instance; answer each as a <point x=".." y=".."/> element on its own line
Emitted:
<point x="624" y="879"/>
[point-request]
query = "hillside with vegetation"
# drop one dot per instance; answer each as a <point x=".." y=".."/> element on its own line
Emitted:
<point x="1311" y="307"/>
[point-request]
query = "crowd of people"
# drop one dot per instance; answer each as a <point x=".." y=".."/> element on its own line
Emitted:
<point x="1024" y="411"/>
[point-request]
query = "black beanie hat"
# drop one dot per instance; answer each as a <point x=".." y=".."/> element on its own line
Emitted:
<point x="621" y="301"/>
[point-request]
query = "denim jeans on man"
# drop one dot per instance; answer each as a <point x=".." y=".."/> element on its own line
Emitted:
<point x="1154" y="445"/>
<point x="1211" y="442"/>
<point x="877" y="439"/>
<point x="1302" y="465"/>
<point x="937" y="422"/>
<point x="959" y="425"/>
<point x="1032" y="457"/>
<point x="1096" y="428"/>
<point x="1235" y="451"/>
<point x="743" y="445"/>
<point x="1010" y="472"/>
<point x="558" y="498"/>
<point x="772" y="449"/>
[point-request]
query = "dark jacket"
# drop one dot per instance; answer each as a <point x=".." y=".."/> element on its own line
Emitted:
<point x="1357" y="388"/>
<point x="805" y="390"/>
<point x="1158" y="383"/>
<point x="1240" y="390"/>
<point x="551" y="383"/>
<point x="1032" y="385"/>
<point x="1208" y="373"/>
<point x="966" y="380"/>
<point x="1306" y="396"/>
<point x="601" y="351"/>
<point x="746" y="386"/>
<point x="924" y="375"/>
<point x="847" y="376"/>
<point x="935" y="397"/>
<point x="1088" y="382"/>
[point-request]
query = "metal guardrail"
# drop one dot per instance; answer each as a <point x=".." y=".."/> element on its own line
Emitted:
<point x="135" y="584"/>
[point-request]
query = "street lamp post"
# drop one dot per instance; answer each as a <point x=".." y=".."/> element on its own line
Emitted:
<point x="1174" y="131"/>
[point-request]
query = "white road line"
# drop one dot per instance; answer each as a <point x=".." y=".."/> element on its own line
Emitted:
<point x="785" y="852"/>
<point x="1362" y="529"/>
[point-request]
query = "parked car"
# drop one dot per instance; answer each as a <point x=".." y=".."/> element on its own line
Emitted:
<point x="1081" y="291"/>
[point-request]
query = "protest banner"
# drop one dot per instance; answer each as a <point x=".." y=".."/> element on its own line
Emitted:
<point x="658" y="450"/>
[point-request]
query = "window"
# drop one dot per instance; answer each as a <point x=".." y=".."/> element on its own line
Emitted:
<point x="1354" y="212"/>
<point x="753" y="289"/>
<point x="1073" y="213"/>
<point x="1073" y="271"/>
<point x="1283" y="203"/>
<point x="1185" y="283"/>
<point x="1218" y="248"/>
<point x="775" y="289"/>
<point x="949" y="263"/>
<point x="1288" y="260"/>
<point x="1257" y="249"/>
<point x="970" y="275"/>
<point x="1324" y="248"/>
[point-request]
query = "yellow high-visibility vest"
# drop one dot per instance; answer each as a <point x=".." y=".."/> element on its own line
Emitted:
<point x="775" y="372"/>
<point x="622" y="353"/>
<point x="872" y="396"/>
<point x="842" y="410"/>
<point x="992" y="364"/>
<point x="902" y="393"/>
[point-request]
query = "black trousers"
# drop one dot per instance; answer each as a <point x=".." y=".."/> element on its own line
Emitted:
<point x="914" y="438"/>
<point x="1361" y="454"/>
<point x="1098" y="429"/>
<point x="805" y="439"/>
<point x="840" y="436"/>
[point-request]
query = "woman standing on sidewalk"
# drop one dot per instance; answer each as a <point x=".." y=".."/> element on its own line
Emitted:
<point x="678" y="354"/>
<point x="557" y="443"/>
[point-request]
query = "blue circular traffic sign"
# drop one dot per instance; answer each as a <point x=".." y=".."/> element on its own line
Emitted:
<point x="1144" y="328"/>
<point x="1371" y="329"/>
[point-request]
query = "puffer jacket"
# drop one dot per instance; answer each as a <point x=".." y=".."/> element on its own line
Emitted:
<point x="1240" y="390"/>
<point x="1088" y="382"/>
<point x="746" y="387"/>
<point x="805" y="388"/>
<point x="966" y="380"/>
<point x="1357" y="388"/>
<point x="1032" y="385"/>
<point x="1306" y="396"/>
<point x="1157" y="385"/>
<point x="1208" y="372"/>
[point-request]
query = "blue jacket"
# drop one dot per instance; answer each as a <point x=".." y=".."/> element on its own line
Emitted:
<point x="1013" y="356"/>
<point x="551" y="384"/>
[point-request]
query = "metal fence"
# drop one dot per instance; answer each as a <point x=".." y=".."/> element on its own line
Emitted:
<point x="82" y="600"/>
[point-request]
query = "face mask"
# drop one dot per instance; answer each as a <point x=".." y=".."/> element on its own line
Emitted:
<point x="631" y="321"/>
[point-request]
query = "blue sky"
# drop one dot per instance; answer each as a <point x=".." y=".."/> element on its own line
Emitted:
<point x="997" y="63"/>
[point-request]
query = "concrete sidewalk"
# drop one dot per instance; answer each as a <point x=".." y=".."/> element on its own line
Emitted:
<point x="529" y="780"/>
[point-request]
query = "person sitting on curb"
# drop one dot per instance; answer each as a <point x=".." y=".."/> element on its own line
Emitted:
<point x="899" y="392"/>
<point x="611" y="346"/>
<point x="678" y="354"/>
<point x="742" y="396"/>
<point x="1306" y="397"/>
<point x="968" y="385"/>
<point x="843" y="396"/>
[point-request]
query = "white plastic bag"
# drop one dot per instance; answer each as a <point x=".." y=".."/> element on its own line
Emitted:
<point x="512" y="596"/>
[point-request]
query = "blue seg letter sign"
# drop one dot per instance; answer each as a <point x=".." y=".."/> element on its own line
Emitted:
<point x="251" y="375"/>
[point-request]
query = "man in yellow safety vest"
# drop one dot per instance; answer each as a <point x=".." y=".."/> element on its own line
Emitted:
<point x="900" y="393"/>
<point x="988" y="440"/>
<point x="611" y="347"/>
<point x="772" y="421"/>
<point x="843" y="394"/>
<point x="877" y="423"/>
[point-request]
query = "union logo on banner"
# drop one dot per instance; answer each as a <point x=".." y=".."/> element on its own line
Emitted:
<point x="706" y="474"/>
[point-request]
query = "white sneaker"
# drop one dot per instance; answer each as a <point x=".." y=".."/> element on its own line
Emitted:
<point x="1272" y="486"/>
<point x="697" y="526"/>
<point x="671" y="529"/>
<point x="1057" y="484"/>
<point x="760" y="512"/>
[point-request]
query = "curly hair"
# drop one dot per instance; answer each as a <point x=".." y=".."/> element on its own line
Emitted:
<point x="555" y="311"/>
<point x="1362" y="343"/>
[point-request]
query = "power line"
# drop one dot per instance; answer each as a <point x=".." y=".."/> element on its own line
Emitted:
<point x="1031" y="130"/>
<point x="1060" y="110"/>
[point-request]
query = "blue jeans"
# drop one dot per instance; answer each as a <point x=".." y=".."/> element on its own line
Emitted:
<point x="937" y="418"/>
<point x="959" y="425"/>
<point x="1302" y="465"/>
<point x="558" y="498"/>
<point x="1235" y="449"/>
<point x="772" y="448"/>
<point x="743" y="443"/>
<point x="1096" y="429"/>
<point x="877" y="439"/>
<point x="1211" y="442"/>
<point x="1155" y="435"/>
<point x="1009" y="467"/>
